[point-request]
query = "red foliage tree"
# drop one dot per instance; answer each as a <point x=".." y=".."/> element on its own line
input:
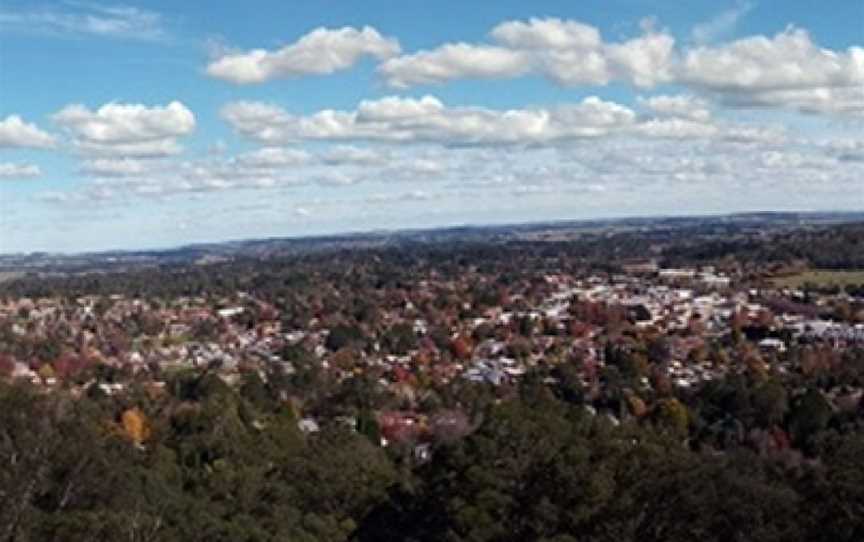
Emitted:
<point x="462" y="348"/>
<point x="7" y="365"/>
<point x="68" y="365"/>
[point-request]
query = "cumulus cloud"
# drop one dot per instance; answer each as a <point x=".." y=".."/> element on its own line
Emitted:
<point x="399" y="120"/>
<point x="452" y="61"/>
<point x="11" y="170"/>
<point x="87" y="19"/>
<point x="845" y="101"/>
<point x="127" y="123"/>
<point x="547" y="34"/>
<point x="645" y="61"/>
<point x="788" y="70"/>
<point x="676" y="128"/>
<point x="270" y="157"/>
<point x="680" y="106"/>
<point x="788" y="60"/>
<point x="321" y="51"/>
<point x="568" y="52"/>
<point x="427" y="119"/>
<point x="15" y="132"/>
<point x="132" y="130"/>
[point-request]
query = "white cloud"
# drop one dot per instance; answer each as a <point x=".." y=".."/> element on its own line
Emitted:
<point x="395" y="108"/>
<point x="681" y="106"/>
<point x="744" y="133"/>
<point x="454" y="61"/>
<point x="397" y="120"/>
<point x="844" y="149"/>
<point x="774" y="159"/>
<point x="84" y="18"/>
<point x="425" y="167"/>
<point x="127" y="123"/>
<point x="127" y="129"/>
<point x="322" y="51"/>
<point x="404" y="197"/>
<point x="574" y="67"/>
<point x="676" y="128"/>
<point x="568" y="52"/>
<point x="722" y="25"/>
<point x="262" y="168"/>
<point x="157" y="148"/>
<point x="733" y="171"/>
<point x="349" y="154"/>
<point x="784" y="71"/>
<point x="270" y="157"/>
<point x="682" y="128"/>
<point x="645" y="61"/>
<point x="334" y="178"/>
<point x="200" y="176"/>
<point x="789" y="60"/>
<point x="788" y="70"/>
<point x="728" y="165"/>
<point x="845" y="101"/>
<point x="592" y="116"/>
<point x="15" y="132"/>
<point x="551" y="33"/>
<point x="427" y="119"/>
<point x="10" y="170"/>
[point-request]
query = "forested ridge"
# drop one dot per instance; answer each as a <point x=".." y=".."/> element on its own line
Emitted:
<point x="836" y="247"/>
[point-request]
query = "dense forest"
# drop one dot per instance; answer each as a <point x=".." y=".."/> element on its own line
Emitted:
<point x="209" y="463"/>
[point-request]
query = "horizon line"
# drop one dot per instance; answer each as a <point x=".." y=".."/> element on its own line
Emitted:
<point x="386" y="231"/>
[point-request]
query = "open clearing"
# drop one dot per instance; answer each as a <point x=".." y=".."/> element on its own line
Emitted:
<point x="821" y="278"/>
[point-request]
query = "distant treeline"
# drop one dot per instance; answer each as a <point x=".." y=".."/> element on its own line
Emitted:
<point x="376" y="268"/>
<point x="835" y="247"/>
<point x="827" y="247"/>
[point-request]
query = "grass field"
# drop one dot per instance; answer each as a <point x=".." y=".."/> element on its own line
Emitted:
<point x="823" y="278"/>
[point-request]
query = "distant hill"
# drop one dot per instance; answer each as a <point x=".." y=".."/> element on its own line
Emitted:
<point x="725" y="226"/>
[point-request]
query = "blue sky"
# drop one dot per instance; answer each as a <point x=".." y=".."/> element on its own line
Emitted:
<point x="156" y="124"/>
